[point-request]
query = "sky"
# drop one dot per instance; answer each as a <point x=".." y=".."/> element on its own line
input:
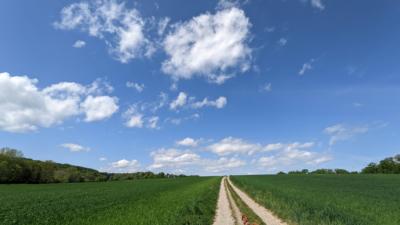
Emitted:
<point x="201" y="87"/>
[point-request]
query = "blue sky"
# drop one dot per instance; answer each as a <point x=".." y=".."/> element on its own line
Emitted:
<point x="201" y="87"/>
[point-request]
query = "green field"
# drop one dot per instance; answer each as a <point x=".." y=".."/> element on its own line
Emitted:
<point x="158" y="201"/>
<point x="327" y="199"/>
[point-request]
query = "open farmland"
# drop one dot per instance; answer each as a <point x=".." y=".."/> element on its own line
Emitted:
<point x="327" y="199"/>
<point x="189" y="200"/>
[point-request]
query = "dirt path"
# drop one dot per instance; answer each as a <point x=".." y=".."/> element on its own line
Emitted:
<point x="224" y="213"/>
<point x="266" y="216"/>
<point x="237" y="215"/>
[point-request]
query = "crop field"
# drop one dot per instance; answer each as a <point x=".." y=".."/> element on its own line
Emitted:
<point x="327" y="199"/>
<point x="189" y="200"/>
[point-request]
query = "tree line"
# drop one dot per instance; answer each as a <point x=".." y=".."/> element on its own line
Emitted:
<point x="14" y="168"/>
<point x="390" y="165"/>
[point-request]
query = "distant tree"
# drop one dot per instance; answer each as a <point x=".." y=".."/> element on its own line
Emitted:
<point x="341" y="171"/>
<point x="323" y="171"/>
<point x="11" y="152"/>
<point x="281" y="173"/>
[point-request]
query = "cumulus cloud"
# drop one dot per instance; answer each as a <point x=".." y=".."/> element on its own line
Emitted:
<point x="99" y="108"/>
<point x="232" y="145"/>
<point x="24" y="107"/>
<point x="180" y="101"/>
<point x="341" y="132"/>
<point x="75" y="147"/>
<point x="124" y="165"/>
<point x="79" y="44"/>
<point x="188" y="142"/>
<point x="121" y="28"/>
<point x="173" y="158"/>
<point x="135" y="119"/>
<point x="138" y="87"/>
<point x="214" y="46"/>
<point x="292" y="154"/>
<point x="218" y="103"/>
<point x="223" y="164"/>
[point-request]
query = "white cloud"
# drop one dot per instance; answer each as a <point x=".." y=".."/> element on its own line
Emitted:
<point x="138" y="87"/>
<point x="340" y="132"/>
<point x="209" y="45"/>
<point x="177" y="121"/>
<point x="79" y="44"/>
<point x="232" y="145"/>
<point x="124" y="165"/>
<point x="99" y="108"/>
<point x="225" y="4"/>
<point x="267" y="87"/>
<point x="162" y="25"/>
<point x="173" y="158"/>
<point x="133" y="117"/>
<point x="120" y="27"/>
<point x="306" y="66"/>
<point x="103" y="159"/>
<point x="24" y="107"/>
<point x="179" y="101"/>
<point x="282" y="41"/>
<point x="283" y="155"/>
<point x="153" y="122"/>
<point x="188" y="142"/>
<point x="223" y="164"/>
<point x="317" y="4"/>
<point x="75" y="147"/>
<point x="218" y="103"/>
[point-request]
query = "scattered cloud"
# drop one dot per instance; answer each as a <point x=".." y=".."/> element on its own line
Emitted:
<point x="103" y="159"/>
<point x="341" y="132"/>
<point x="232" y="145"/>
<point x="306" y="66"/>
<point x="292" y="154"/>
<point x="138" y="87"/>
<point x="213" y="46"/>
<point x="188" y="142"/>
<point x="79" y="44"/>
<point x="99" y="107"/>
<point x="135" y="119"/>
<point x="267" y="87"/>
<point x="177" y="121"/>
<point x="179" y="101"/>
<point x="162" y="25"/>
<point x="121" y="28"/>
<point x="25" y="107"/>
<point x="153" y="122"/>
<point x="75" y="147"/>
<point x="317" y="4"/>
<point x="219" y="103"/>
<point x="173" y="158"/>
<point x="124" y="165"/>
<point x="223" y="164"/>
<point x="269" y="29"/>
<point x="282" y="41"/>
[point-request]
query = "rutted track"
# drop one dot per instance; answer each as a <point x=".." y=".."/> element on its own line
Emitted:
<point x="228" y="212"/>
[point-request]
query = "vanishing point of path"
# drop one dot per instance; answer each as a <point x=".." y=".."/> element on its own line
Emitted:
<point x="228" y="212"/>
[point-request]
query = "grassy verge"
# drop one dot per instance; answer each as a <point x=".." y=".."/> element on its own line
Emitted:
<point x="327" y="199"/>
<point x="152" y="202"/>
<point x="244" y="209"/>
